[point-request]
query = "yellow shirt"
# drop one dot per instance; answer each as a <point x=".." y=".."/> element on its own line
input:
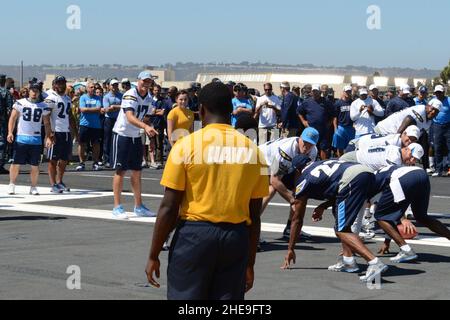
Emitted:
<point x="219" y="170"/>
<point x="182" y="118"/>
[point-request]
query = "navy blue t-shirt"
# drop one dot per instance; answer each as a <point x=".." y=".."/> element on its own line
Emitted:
<point x="320" y="180"/>
<point x="160" y="122"/>
<point x="289" y="116"/>
<point x="317" y="113"/>
<point x="342" y="112"/>
<point x="397" y="104"/>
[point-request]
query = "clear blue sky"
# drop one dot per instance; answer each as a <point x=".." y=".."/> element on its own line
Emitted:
<point x="414" y="33"/>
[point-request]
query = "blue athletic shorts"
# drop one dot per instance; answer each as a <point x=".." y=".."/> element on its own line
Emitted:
<point x="62" y="149"/>
<point x="127" y="153"/>
<point x="27" y="154"/>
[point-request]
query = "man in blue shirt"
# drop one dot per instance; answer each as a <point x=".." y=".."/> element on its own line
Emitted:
<point x="318" y="113"/>
<point x="441" y="131"/>
<point x="290" y="124"/>
<point x="90" y="127"/>
<point x="241" y="104"/>
<point x="346" y="187"/>
<point x="402" y="101"/>
<point x="343" y="124"/>
<point x="111" y="104"/>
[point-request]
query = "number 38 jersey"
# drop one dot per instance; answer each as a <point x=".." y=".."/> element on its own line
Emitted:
<point x="141" y="106"/>
<point x="30" y="118"/>
<point x="60" y="106"/>
<point x="320" y="180"/>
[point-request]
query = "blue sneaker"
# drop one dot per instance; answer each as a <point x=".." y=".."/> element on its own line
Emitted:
<point x="143" y="211"/>
<point x="119" y="213"/>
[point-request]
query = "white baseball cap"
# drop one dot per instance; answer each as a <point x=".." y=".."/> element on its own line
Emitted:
<point x="435" y="103"/>
<point x="315" y="87"/>
<point x="373" y="86"/>
<point x="405" y="89"/>
<point x="113" y="81"/>
<point x="416" y="150"/>
<point x="347" y="88"/>
<point x="413" y="131"/>
<point x="439" y="88"/>
<point x="363" y="91"/>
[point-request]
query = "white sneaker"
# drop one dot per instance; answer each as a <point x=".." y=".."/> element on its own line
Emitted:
<point x="11" y="189"/>
<point x="340" y="266"/>
<point x="404" y="256"/>
<point x="373" y="271"/>
<point x="34" y="191"/>
<point x="430" y="171"/>
<point x="367" y="235"/>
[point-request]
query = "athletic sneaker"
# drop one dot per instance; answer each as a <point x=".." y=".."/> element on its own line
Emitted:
<point x="430" y="171"/>
<point x="303" y="235"/>
<point x="340" y="266"/>
<point x="143" y="211"/>
<point x="11" y="189"/>
<point x="56" y="189"/>
<point x="374" y="271"/>
<point x="155" y="166"/>
<point x="34" y="191"/>
<point x="63" y="187"/>
<point x="97" y="167"/>
<point x="119" y="212"/>
<point x="367" y="234"/>
<point x="81" y="167"/>
<point x="404" y="256"/>
<point x="144" y="164"/>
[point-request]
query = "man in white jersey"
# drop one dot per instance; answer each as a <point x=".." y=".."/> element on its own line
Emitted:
<point x="377" y="157"/>
<point x="127" y="148"/>
<point x="27" y="150"/>
<point x="62" y="122"/>
<point x="419" y="115"/>
<point x="410" y="135"/>
<point x="279" y="155"/>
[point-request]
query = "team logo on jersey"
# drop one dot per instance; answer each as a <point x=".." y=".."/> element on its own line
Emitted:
<point x="418" y="116"/>
<point x="129" y="98"/>
<point x="284" y="155"/>
<point x="300" y="187"/>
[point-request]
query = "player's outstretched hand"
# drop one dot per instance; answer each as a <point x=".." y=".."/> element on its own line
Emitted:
<point x="290" y="257"/>
<point x="153" y="267"/>
<point x="384" y="249"/>
<point x="151" y="132"/>
<point x="409" y="227"/>
<point x="318" y="214"/>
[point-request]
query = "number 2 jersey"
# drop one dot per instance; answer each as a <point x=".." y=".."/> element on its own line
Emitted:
<point x="141" y="106"/>
<point x="60" y="107"/>
<point x="30" y="118"/>
<point x="320" y="180"/>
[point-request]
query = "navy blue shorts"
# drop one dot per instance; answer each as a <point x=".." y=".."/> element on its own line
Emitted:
<point x="90" y="135"/>
<point x="62" y="149"/>
<point x="208" y="261"/>
<point x="416" y="187"/>
<point x="126" y="153"/>
<point x="342" y="137"/>
<point x="27" y="154"/>
<point x="289" y="181"/>
<point x="350" y="201"/>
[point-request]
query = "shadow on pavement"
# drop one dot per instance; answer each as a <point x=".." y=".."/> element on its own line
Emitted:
<point x="395" y="271"/>
<point x="432" y="258"/>
<point x="31" y="218"/>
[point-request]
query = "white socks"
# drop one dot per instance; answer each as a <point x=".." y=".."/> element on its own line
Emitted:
<point x="349" y="260"/>
<point x="373" y="262"/>
<point x="406" y="248"/>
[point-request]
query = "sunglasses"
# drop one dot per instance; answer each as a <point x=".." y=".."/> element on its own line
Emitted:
<point x="268" y="89"/>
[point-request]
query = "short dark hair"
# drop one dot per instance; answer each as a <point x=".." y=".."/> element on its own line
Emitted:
<point x="216" y="98"/>
<point x="179" y="93"/>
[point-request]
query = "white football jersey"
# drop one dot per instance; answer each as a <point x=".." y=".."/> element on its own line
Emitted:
<point x="377" y="140"/>
<point x="30" y="117"/>
<point x="61" y="108"/>
<point x="279" y="154"/>
<point x="378" y="157"/>
<point x="141" y="106"/>
<point x="392" y="123"/>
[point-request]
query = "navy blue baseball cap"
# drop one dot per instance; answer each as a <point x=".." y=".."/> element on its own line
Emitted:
<point x="310" y="135"/>
<point x="3" y="76"/>
<point x="60" y="79"/>
<point x="299" y="162"/>
<point x="423" y="89"/>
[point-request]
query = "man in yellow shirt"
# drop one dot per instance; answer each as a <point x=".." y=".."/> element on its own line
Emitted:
<point x="215" y="183"/>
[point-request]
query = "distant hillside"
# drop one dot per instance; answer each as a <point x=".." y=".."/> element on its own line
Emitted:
<point x="188" y="71"/>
